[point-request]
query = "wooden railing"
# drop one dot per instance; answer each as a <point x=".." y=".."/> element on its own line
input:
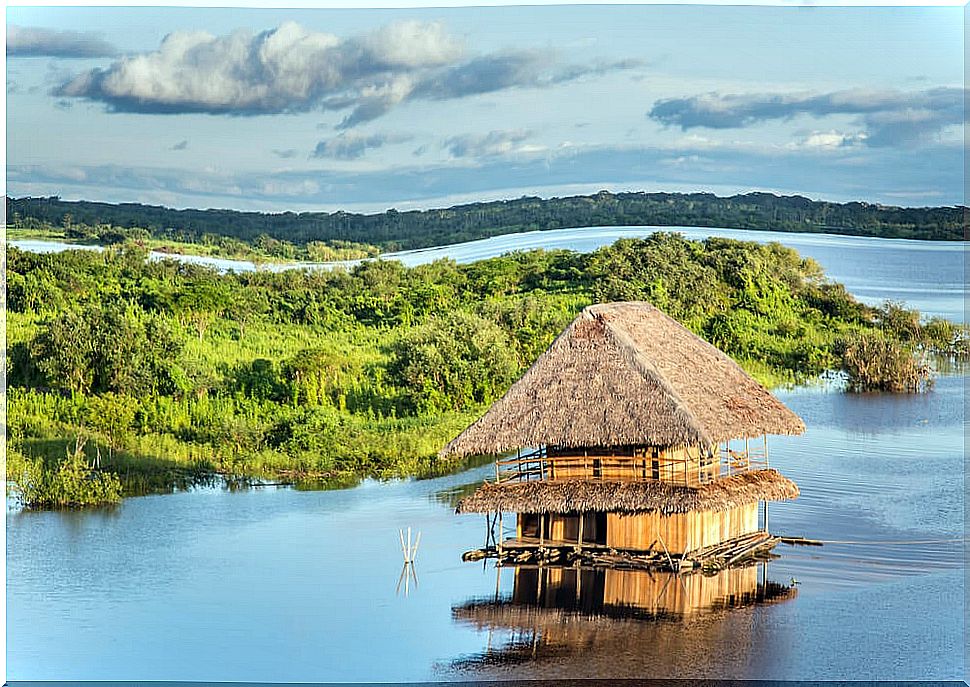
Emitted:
<point x="689" y="470"/>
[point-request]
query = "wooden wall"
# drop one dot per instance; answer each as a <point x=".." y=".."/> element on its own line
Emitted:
<point x="677" y="464"/>
<point x="644" y="531"/>
<point x="680" y="533"/>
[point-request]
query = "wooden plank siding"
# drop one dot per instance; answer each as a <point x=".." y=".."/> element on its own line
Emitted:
<point x="680" y="532"/>
<point x="645" y="531"/>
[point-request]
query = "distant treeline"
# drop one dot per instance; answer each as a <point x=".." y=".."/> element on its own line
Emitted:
<point x="393" y="230"/>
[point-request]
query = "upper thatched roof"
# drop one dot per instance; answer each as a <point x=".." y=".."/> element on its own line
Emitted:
<point x="583" y="496"/>
<point x="625" y="374"/>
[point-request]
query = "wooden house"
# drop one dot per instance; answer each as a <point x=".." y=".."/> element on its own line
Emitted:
<point x="630" y="435"/>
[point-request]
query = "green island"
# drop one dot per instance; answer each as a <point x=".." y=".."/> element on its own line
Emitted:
<point x="326" y="236"/>
<point x="128" y="376"/>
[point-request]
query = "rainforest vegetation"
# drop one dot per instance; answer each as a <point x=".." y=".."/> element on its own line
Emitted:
<point x="302" y="235"/>
<point x="173" y="372"/>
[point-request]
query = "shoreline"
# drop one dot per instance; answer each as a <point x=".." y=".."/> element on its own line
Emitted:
<point x="175" y="250"/>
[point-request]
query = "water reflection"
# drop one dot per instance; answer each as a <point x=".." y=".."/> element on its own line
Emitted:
<point x="554" y="612"/>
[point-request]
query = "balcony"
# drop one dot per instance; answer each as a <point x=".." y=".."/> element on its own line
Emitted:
<point x="685" y="467"/>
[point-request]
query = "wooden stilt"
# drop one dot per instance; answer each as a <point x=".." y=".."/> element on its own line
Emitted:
<point x="501" y="534"/>
<point x="666" y="551"/>
<point x="579" y="541"/>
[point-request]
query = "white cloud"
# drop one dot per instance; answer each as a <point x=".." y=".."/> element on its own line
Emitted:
<point x="889" y="117"/>
<point x="492" y="144"/>
<point x="350" y="146"/>
<point x="292" y="69"/>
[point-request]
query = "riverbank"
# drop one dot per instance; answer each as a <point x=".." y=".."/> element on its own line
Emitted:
<point x="267" y="252"/>
<point x="175" y="374"/>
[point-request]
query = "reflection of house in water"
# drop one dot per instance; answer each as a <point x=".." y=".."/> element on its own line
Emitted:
<point x="630" y="593"/>
<point x="649" y="448"/>
<point x="565" y="611"/>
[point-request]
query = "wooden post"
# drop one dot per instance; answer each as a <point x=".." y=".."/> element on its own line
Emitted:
<point x="582" y="516"/>
<point x="766" y="450"/>
<point x="501" y="535"/>
<point x="766" y="516"/>
<point x="542" y="531"/>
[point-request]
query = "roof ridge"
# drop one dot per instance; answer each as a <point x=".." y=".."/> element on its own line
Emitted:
<point x="649" y="370"/>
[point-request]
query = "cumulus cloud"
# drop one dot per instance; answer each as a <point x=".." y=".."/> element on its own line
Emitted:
<point x="181" y="145"/>
<point x="350" y="146"/>
<point x="889" y="117"/>
<point x="492" y="144"/>
<point x="32" y="41"/>
<point x="292" y="69"/>
<point x="286" y="153"/>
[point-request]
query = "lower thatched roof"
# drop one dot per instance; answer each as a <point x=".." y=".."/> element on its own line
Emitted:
<point x="579" y="496"/>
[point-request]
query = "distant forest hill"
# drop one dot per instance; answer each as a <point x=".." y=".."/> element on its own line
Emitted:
<point x="393" y="230"/>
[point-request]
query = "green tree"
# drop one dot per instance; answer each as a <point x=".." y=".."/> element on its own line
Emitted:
<point x="452" y="363"/>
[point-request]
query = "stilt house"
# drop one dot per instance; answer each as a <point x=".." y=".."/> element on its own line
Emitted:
<point x="630" y="434"/>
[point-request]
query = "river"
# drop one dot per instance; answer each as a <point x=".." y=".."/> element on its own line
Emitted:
<point x="277" y="584"/>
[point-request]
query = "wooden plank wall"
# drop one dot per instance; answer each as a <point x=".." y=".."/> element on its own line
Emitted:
<point x="680" y="532"/>
<point x="639" y="463"/>
<point x="644" y="531"/>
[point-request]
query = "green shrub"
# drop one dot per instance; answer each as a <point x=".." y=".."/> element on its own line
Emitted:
<point x="875" y="363"/>
<point x="70" y="483"/>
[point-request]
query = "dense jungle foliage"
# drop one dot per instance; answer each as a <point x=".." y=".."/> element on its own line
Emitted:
<point x="290" y="234"/>
<point x="174" y="372"/>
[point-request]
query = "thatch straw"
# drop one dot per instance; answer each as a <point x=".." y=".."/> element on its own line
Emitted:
<point x="582" y="496"/>
<point x="625" y="374"/>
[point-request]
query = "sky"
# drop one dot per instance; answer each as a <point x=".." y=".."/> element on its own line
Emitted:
<point x="368" y="109"/>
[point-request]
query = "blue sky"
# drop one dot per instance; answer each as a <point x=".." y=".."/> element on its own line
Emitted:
<point x="323" y="109"/>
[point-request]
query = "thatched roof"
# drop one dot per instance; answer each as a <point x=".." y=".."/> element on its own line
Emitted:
<point x="580" y="495"/>
<point x="625" y="374"/>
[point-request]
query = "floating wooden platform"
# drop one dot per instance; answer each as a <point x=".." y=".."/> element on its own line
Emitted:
<point x="739" y="551"/>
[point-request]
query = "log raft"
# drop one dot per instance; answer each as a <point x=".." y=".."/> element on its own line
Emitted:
<point x="740" y="551"/>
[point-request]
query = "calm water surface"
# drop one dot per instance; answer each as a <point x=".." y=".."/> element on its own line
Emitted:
<point x="926" y="275"/>
<point x="282" y="585"/>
